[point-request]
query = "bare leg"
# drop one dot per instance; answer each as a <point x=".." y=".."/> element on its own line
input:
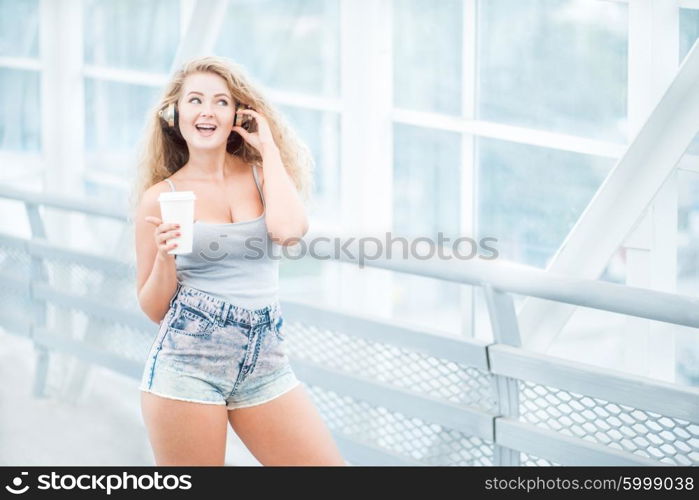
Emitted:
<point x="286" y="431"/>
<point x="184" y="433"/>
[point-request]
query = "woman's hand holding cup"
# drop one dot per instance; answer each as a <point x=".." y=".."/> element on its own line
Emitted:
<point x="164" y="232"/>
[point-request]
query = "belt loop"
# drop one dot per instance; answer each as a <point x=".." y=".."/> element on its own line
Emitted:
<point x="224" y="312"/>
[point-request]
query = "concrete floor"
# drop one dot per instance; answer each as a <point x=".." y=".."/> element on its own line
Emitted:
<point x="102" y="427"/>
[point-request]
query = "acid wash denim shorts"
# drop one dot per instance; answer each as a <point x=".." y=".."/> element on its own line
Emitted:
<point x="211" y="351"/>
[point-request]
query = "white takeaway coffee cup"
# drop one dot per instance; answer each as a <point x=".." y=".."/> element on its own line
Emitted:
<point x="177" y="207"/>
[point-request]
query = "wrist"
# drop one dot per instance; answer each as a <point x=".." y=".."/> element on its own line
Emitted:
<point x="269" y="149"/>
<point x="165" y="259"/>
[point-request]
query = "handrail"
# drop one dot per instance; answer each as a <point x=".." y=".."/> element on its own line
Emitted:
<point x="503" y="275"/>
<point x="524" y="280"/>
<point x="62" y="202"/>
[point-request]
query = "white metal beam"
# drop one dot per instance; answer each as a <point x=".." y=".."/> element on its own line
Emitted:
<point x="303" y="100"/>
<point x="690" y="163"/>
<point x="20" y="63"/>
<point x="366" y="155"/>
<point x="621" y="199"/>
<point x="469" y="185"/>
<point x="202" y="32"/>
<point x="651" y="248"/>
<point x="124" y="75"/>
<point x="63" y="141"/>
<point x="512" y="133"/>
<point x="62" y="95"/>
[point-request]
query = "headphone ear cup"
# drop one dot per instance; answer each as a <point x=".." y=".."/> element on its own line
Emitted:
<point x="169" y="115"/>
<point x="236" y="115"/>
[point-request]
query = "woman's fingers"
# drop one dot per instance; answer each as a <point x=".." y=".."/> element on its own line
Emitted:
<point x="166" y="235"/>
<point x="243" y="132"/>
<point x="160" y="225"/>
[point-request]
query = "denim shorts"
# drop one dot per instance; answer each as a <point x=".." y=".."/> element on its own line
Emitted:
<point x="211" y="351"/>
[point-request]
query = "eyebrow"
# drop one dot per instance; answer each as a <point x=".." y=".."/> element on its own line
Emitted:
<point x="195" y="92"/>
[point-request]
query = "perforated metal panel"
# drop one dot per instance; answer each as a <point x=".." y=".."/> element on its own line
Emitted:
<point x="395" y="366"/>
<point x="14" y="262"/>
<point x="534" y="461"/>
<point x="15" y="301"/>
<point x="415" y="439"/>
<point x="110" y="336"/>
<point x="412" y="438"/>
<point x="648" y="434"/>
<point x="112" y="285"/>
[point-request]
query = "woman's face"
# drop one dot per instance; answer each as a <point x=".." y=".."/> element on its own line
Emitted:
<point x="206" y="111"/>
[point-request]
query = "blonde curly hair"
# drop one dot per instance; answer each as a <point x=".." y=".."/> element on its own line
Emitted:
<point x="163" y="152"/>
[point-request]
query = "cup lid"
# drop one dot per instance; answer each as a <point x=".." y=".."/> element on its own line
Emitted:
<point x="177" y="196"/>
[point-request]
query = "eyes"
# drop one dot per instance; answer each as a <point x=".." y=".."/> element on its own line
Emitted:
<point x="225" y="101"/>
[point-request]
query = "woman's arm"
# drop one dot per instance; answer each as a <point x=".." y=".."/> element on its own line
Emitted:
<point x="156" y="275"/>
<point x="285" y="214"/>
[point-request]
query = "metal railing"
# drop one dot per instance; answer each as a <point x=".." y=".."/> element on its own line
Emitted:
<point x="390" y="393"/>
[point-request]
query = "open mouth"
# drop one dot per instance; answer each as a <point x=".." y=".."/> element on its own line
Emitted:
<point x="206" y="130"/>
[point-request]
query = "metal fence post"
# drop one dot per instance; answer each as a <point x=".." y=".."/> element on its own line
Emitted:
<point x="38" y="274"/>
<point x="503" y="319"/>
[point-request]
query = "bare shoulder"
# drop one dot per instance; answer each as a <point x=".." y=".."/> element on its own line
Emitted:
<point x="149" y="201"/>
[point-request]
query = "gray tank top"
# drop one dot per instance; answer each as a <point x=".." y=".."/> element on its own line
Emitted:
<point x="232" y="261"/>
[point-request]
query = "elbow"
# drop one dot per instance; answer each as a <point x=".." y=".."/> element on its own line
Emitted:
<point x="154" y="316"/>
<point x="285" y="239"/>
<point x="289" y="236"/>
<point x="149" y="314"/>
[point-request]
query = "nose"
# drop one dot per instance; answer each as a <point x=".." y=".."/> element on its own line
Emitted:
<point x="205" y="109"/>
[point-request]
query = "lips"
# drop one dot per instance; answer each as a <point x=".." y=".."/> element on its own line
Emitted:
<point x="206" y="130"/>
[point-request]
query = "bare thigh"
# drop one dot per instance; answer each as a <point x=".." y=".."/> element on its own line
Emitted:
<point x="286" y="431"/>
<point x="184" y="433"/>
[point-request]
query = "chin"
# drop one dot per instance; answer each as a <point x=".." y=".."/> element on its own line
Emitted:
<point x="206" y="145"/>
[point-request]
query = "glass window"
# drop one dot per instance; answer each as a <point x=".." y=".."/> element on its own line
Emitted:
<point x="688" y="233"/>
<point x="426" y="182"/>
<point x="285" y="44"/>
<point x="688" y="272"/>
<point x="689" y="30"/>
<point x="115" y="114"/>
<point x="426" y="201"/>
<point x="132" y="34"/>
<point x="558" y="65"/>
<point x="19" y="28"/>
<point x="427" y="302"/>
<point x="530" y="197"/>
<point x="320" y="131"/>
<point x="20" y="120"/>
<point x="427" y="55"/>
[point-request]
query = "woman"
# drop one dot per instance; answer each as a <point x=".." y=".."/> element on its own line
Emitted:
<point x="219" y="354"/>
